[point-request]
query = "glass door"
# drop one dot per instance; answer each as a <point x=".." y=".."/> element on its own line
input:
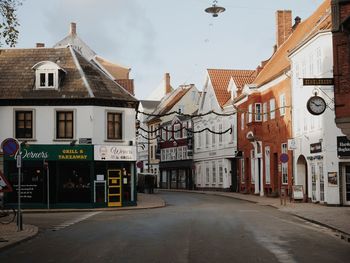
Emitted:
<point x="320" y="168"/>
<point x="100" y="195"/>
<point x="313" y="178"/>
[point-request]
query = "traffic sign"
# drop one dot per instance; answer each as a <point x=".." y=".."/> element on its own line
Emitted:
<point x="284" y="158"/>
<point x="10" y="146"/>
<point x="4" y="184"/>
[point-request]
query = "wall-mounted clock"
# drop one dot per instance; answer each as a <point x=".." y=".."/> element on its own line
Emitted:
<point x="316" y="105"/>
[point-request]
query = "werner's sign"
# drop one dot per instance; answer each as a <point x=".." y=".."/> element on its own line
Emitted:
<point x="38" y="152"/>
<point x="114" y="153"/>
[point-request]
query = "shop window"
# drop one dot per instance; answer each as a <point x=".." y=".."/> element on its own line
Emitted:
<point x="64" y="124"/>
<point x="24" y="124"/>
<point x="114" y="126"/>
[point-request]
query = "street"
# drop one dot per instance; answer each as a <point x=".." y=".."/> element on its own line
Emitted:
<point x="191" y="228"/>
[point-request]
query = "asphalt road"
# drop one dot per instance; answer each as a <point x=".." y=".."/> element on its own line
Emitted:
<point x="192" y="228"/>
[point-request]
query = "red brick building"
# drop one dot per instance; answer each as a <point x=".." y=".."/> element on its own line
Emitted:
<point x="341" y="55"/>
<point x="265" y="119"/>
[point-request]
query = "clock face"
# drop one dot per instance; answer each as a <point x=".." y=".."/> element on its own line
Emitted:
<point x="316" y="105"/>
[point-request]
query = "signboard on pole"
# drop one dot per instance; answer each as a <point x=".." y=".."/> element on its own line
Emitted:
<point x="10" y="146"/>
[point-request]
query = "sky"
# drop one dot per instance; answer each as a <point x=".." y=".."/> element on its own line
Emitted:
<point x="153" y="37"/>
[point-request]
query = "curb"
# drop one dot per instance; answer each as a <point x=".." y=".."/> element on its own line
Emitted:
<point x="15" y="243"/>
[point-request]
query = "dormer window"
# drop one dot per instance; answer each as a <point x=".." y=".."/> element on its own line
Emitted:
<point x="48" y="75"/>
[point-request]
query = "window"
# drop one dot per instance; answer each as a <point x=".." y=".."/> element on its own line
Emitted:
<point x="214" y="172"/>
<point x="252" y="166"/>
<point x="177" y="131"/>
<point x="242" y="121"/>
<point x="64" y="125"/>
<point x="282" y="104"/>
<point x="272" y="109"/>
<point x="213" y="136"/>
<point x="199" y="175"/>
<point x="221" y="173"/>
<point x="170" y="132"/>
<point x="265" y="111"/>
<point x="24" y="124"/>
<point x="184" y="130"/>
<point x="164" y="133"/>
<point x="207" y="173"/>
<point x="47" y="75"/>
<point x="242" y="171"/>
<point x="267" y="165"/>
<point x="114" y="126"/>
<point x="284" y="165"/>
<point x="207" y="138"/>
<point x="250" y="113"/>
<point x="257" y="111"/>
<point x="220" y="135"/>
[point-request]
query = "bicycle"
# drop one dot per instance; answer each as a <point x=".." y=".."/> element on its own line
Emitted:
<point x="7" y="215"/>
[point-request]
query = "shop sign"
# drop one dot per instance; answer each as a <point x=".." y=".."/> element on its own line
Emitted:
<point x="318" y="81"/>
<point x="343" y="146"/>
<point x="40" y="152"/>
<point x="316" y="147"/>
<point x="114" y="153"/>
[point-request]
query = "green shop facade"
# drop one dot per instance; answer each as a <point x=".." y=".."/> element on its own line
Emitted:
<point x="79" y="176"/>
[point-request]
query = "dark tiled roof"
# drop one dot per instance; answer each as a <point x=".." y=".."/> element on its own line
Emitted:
<point x="17" y="78"/>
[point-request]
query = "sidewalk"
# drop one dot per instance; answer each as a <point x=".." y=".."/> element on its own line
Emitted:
<point x="10" y="236"/>
<point x="334" y="217"/>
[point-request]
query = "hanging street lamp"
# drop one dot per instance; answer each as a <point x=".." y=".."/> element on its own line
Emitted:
<point x="215" y="9"/>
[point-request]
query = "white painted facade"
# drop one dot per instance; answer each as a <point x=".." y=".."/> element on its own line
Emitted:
<point x="89" y="122"/>
<point x="314" y="59"/>
<point x="213" y="153"/>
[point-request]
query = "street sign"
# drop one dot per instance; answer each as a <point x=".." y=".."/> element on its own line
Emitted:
<point x="4" y="184"/>
<point x="10" y="146"/>
<point x="284" y="158"/>
<point x="139" y="164"/>
<point x="292" y="144"/>
<point x="19" y="161"/>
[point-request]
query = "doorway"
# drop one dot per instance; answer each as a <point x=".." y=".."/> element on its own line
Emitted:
<point x="114" y="188"/>
<point x="302" y="175"/>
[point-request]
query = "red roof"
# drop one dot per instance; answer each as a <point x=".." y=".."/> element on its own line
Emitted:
<point x="220" y="79"/>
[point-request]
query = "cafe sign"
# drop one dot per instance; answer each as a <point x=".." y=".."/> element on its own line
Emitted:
<point x="38" y="152"/>
<point x="114" y="153"/>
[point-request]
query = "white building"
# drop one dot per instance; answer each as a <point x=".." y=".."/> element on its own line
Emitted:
<point x="315" y="162"/>
<point x="215" y="150"/>
<point x="77" y="126"/>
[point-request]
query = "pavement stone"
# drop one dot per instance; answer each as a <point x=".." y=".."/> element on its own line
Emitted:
<point x="9" y="234"/>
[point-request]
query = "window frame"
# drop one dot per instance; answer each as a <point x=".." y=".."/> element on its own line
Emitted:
<point x="282" y="104"/>
<point x="15" y="134"/>
<point x="258" y="113"/>
<point x="272" y="109"/>
<point x="265" y="113"/>
<point x="121" y="128"/>
<point x="57" y="126"/>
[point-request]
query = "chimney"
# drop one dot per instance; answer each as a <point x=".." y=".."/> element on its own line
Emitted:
<point x="73" y="28"/>
<point x="40" y="45"/>
<point x="297" y="21"/>
<point x="167" y="86"/>
<point x="283" y="26"/>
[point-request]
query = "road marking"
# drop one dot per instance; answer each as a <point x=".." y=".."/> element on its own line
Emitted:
<point x="74" y="221"/>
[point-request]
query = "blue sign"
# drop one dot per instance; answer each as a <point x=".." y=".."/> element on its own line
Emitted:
<point x="284" y="158"/>
<point x="10" y="146"/>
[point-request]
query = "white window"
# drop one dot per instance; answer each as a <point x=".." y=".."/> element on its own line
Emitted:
<point x="220" y="135"/>
<point x="252" y="166"/>
<point x="242" y="121"/>
<point x="199" y="139"/>
<point x="242" y="171"/>
<point x="177" y="131"/>
<point x="250" y="113"/>
<point x="199" y="175"/>
<point x="257" y="111"/>
<point x="265" y="111"/>
<point x="213" y="136"/>
<point x="47" y="75"/>
<point x="221" y="173"/>
<point x="207" y="138"/>
<point x="184" y="130"/>
<point x="267" y="165"/>
<point x="164" y="134"/>
<point x="284" y="165"/>
<point x="214" y="172"/>
<point x="272" y="109"/>
<point x="170" y="132"/>
<point x="207" y="173"/>
<point x="282" y="104"/>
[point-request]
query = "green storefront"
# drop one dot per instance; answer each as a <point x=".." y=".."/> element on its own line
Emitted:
<point x="53" y="176"/>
